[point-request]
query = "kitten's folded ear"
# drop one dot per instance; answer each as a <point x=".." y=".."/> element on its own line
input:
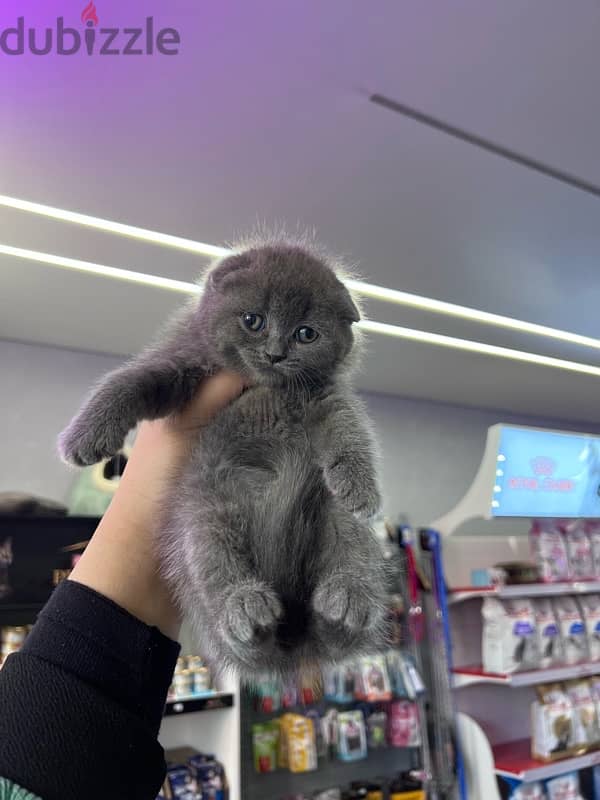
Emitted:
<point x="347" y="308"/>
<point x="228" y="271"/>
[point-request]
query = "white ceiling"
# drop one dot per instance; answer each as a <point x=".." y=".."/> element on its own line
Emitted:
<point x="264" y="116"/>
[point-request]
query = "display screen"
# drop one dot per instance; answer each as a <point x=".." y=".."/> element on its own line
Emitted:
<point x="546" y="474"/>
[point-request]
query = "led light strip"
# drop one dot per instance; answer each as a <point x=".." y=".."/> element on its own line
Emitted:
<point x="100" y="269"/>
<point x="472" y="314"/>
<point x="428" y="304"/>
<point x="372" y="326"/>
<point x="109" y="226"/>
<point x="478" y="347"/>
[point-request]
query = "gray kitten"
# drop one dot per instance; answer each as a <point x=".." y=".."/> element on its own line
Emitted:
<point x="263" y="541"/>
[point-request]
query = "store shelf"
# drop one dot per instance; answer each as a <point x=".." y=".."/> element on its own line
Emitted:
<point x="461" y="594"/>
<point x="468" y="676"/>
<point x="513" y="760"/>
<point x="193" y="703"/>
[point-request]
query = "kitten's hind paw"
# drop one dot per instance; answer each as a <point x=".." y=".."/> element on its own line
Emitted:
<point x="81" y="444"/>
<point x="341" y="601"/>
<point x="252" y="612"/>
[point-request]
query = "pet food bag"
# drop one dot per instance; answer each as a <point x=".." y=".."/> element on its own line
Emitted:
<point x="373" y="682"/>
<point x="593" y="531"/>
<point x="579" y="550"/>
<point x="509" y="635"/>
<point x="548" y="643"/>
<point x="377" y="730"/>
<point x="572" y="630"/>
<point x="528" y="791"/>
<point x="551" y="722"/>
<point x="297" y="748"/>
<point x="564" y="787"/>
<point x="586" y="731"/>
<point x="352" y="736"/>
<point x="338" y="682"/>
<point x="549" y="551"/>
<point x="265" y="738"/>
<point x="403" y="724"/>
<point x="590" y="611"/>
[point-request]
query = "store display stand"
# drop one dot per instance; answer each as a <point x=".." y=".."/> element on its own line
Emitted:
<point x="491" y="730"/>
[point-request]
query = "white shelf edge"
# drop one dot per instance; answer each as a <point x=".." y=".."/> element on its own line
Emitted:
<point x="528" y="678"/>
<point x="524" y="590"/>
<point x="553" y="768"/>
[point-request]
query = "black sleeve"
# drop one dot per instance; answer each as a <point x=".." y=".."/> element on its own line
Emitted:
<point x="82" y="702"/>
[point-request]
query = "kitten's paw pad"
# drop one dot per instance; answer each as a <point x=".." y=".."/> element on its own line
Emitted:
<point x="252" y="612"/>
<point x="349" y="604"/>
<point x="83" y="445"/>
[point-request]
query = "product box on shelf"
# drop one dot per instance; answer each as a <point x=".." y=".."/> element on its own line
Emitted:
<point x="192" y="775"/>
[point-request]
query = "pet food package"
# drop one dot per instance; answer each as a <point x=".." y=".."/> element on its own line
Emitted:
<point x="593" y="531"/>
<point x="564" y="787"/>
<point x="265" y="738"/>
<point x="590" y="611"/>
<point x="528" y="791"/>
<point x="551" y="722"/>
<point x="377" y="730"/>
<point x="572" y="630"/>
<point x="403" y="724"/>
<point x="548" y="643"/>
<point x="352" y="736"/>
<point x="509" y="635"/>
<point x="579" y="550"/>
<point x="208" y="777"/>
<point x="585" y="716"/>
<point x="338" y="682"/>
<point x="549" y="551"/>
<point x="178" y="783"/>
<point x="297" y="747"/>
<point x="320" y="727"/>
<point x="372" y="680"/>
<point x="267" y="699"/>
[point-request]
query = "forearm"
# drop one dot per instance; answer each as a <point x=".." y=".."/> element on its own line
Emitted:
<point x="120" y="561"/>
<point x="82" y="701"/>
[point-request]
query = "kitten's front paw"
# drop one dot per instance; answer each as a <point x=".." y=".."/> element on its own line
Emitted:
<point x="358" y="493"/>
<point x="252" y="612"/>
<point x="83" y="444"/>
<point x="340" y="600"/>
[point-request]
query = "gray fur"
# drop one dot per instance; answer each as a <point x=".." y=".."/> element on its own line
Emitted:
<point x="264" y="540"/>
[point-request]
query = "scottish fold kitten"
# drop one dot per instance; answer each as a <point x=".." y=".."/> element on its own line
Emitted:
<point x="264" y="540"/>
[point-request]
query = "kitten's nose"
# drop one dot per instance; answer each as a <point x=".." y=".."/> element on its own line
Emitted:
<point x="275" y="358"/>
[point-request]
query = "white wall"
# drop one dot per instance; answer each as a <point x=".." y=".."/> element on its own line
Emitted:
<point x="430" y="451"/>
<point x="40" y="388"/>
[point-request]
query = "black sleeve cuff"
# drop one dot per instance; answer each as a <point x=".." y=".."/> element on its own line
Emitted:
<point x="81" y="703"/>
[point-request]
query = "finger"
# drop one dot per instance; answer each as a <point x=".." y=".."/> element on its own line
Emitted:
<point x="214" y="394"/>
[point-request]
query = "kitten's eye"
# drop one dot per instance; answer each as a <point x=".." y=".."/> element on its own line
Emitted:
<point x="306" y="335"/>
<point x="254" y="322"/>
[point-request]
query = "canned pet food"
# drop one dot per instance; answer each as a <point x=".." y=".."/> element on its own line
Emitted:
<point x="201" y="680"/>
<point x="182" y="683"/>
<point x="194" y="662"/>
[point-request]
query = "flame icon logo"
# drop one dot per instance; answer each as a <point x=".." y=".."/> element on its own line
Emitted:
<point x="542" y="465"/>
<point x="89" y="15"/>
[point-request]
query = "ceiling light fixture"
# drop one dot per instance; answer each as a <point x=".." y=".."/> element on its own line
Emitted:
<point x="381" y="293"/>
<point x="109" y="226"/>
<point x="478" y="347"/>
<point x="371" y="326"/>
<point x="471" y="314"/>
<point x="99" y="269"/>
